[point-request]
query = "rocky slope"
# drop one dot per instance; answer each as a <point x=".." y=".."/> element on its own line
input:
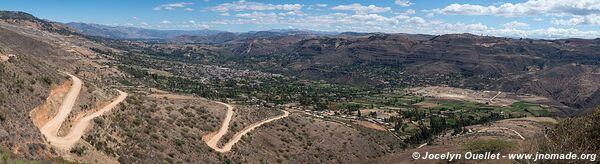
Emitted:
<point x="35" y="52"/>
<point x="39" y="52"/>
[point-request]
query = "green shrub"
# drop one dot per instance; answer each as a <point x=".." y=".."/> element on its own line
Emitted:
<point x="46" y="80"/>
<point x="78" y="150"/>
<point x="125" y="82"/>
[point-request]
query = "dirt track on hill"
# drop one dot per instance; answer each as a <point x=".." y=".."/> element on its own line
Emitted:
<point x="50" y="129"/>
<point x="212" y="139"/>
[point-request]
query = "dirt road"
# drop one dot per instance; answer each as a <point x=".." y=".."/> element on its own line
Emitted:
<point x="80" y="125"/>
<point x="212" y="139"/>
<point x="3" y="58"/>
<point x="238" y="136"/>
<point x="50" y="129"/>
<point x="52" y="126"/>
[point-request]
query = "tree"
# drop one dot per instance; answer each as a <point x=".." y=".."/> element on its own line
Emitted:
<point x="398" y="126"/>
<point x="372" y="114"/>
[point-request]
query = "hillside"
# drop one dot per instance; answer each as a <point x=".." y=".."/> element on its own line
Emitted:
<point x="39" y="60"/>
<point x="283" y="96"/>
<point x="34" y="68"/>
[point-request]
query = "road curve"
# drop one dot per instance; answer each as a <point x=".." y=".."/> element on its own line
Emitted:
<point x="213" y="138"/>
<point x="238" y="136"/>
<point x="52" y="126"/>
<point x="50" y="129"/>
<point x="80" y="125"/>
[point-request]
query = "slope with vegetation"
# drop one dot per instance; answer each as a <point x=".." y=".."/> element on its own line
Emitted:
<point x="346" y="94"/>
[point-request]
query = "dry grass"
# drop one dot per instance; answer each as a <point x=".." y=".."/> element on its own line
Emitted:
<point x="42" y="114"/>
<point x="371" y="125"/>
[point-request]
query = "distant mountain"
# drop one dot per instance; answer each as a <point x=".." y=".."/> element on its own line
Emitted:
<point x="183" y="36"/>
<point x="122" y="32"/>
<point x="564" y="70"/>
<point x="223" y="37"/>
<point x="300" y="31"/>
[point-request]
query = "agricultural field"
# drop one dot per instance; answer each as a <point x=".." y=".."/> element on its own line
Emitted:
<point x="417" y="118"/>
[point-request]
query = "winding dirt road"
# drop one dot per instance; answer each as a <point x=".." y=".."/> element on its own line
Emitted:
<point x="52" y="126"/>
<point x="50" y="129"/>
<point x="212" y="139"/>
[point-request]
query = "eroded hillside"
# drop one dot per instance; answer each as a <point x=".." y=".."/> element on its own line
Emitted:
<point x="272" y="97"/>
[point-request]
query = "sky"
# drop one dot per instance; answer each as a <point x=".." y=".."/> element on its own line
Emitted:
<point x="547" y="19"/>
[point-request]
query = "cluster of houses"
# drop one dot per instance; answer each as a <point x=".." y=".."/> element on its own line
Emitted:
<point x="376" y="119"/>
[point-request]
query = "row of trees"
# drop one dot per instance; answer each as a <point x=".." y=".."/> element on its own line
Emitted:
<point x="438" y="123"/>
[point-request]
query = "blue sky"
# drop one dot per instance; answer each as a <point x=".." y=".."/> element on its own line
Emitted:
<point x="512" y="18"/>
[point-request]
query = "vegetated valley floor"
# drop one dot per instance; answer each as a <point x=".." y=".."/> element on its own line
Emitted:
<point x="323" y="99"/>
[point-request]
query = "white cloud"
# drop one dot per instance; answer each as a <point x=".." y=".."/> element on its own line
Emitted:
<point x="172" y="6"/>
<point x="404" y="24"/>
<point x="257" y="15"/>
<point x="360" y="9"/>
<point x="593" y="19"/>
<point x="243" y="5"/>
<point x="371" y="18"/>
<point x="531" y="7"/>
<point x="253" y="18"/>
<point x="192" y="24"/>
<point x="416" y="20"/>
<point x="292" y="13"/>
<point x="403" y="3"/>
<point x="547" y="33"/>
<point x="355" y="22"/>
<point x="419" y="25"/>
<point x="514" y="25"/>
<point x="408" y="12"/>
<point x="321" y="5"/>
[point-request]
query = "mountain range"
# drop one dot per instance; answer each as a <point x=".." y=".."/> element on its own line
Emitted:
<point x="133" y="95"/>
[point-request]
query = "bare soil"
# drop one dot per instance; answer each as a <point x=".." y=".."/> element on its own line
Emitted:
<point x="371" y="125"/>
<point x="41" y="114"/>
<point x="494" y="98"/>
<point x="529" y="128"/>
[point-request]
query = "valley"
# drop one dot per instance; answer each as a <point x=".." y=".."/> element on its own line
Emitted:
<point x="90" y="93"/>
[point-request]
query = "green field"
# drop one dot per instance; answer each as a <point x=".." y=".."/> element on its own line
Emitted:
<point x="420" y="117"/>
<point x="388" y="100"/>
